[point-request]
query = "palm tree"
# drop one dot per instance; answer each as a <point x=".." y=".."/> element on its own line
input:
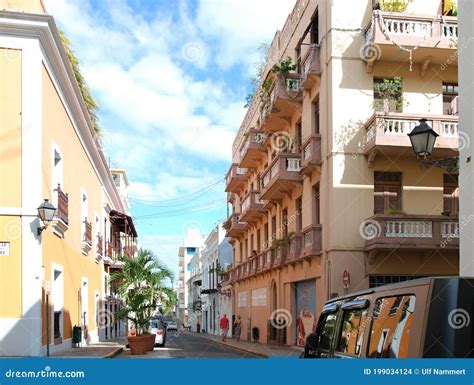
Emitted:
<point x="142" y="285"/>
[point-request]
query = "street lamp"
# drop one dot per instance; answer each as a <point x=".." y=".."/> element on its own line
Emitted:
<point x="423" y="139"/>
<point x="46" y="213"/>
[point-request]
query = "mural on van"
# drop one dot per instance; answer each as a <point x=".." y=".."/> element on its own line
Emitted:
<point x="305" y="292"/>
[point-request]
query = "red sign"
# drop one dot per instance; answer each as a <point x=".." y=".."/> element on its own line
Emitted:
<point x="346" y="279"/>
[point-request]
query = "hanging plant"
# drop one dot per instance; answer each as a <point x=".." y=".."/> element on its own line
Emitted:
<point x="393" y="5"/>
<point x="89" y="101"/>
<point x="388" y="95"/>
<point x="284" y="67"/>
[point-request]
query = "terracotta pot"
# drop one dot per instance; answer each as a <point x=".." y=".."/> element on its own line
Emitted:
<point x="151" y="342"/>
<point x="138" y="344"/>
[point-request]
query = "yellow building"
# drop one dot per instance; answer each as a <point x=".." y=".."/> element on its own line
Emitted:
<point x="327" y="195"/>
<point x="49" y="150"/>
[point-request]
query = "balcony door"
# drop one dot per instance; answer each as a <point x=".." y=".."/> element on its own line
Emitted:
<point x="387" y="192"/>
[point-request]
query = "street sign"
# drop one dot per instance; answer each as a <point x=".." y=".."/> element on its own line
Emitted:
<point x="5" y="248"/>
<point x="47" y="287"/>
<point x="346" y="279"/>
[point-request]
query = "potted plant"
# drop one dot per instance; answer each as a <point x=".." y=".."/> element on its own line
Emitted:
<point x="388" y="95"/>
<point x="141" y="283"/>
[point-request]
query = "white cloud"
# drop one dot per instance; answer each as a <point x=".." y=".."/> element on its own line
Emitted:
<point x="166" y="106"/>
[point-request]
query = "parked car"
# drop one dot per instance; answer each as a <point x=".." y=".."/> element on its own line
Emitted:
<point x="171" y="325"/>
<point x="428" y="317"/>
<point x="159" y="330"/>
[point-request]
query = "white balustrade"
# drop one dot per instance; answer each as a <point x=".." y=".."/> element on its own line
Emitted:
<point x="245" y="204"/>
<point x="292" y="84"/>
<point x="293" y="164"/>
<point x="241" y="171"/>
<point x="266" y="179"/>
<point x="449" y="31"/>
<point x="400" y="126"/>
<point x="371" y="132"/>
<point x="257" y="199"/>
<point x="408" y="229"/>
<point x="274" y="170"/>
<point x="450" y="229"/>
<point x="449" y="129"/>
<point x="307" y="151"/>
<point x="408" y="27"/>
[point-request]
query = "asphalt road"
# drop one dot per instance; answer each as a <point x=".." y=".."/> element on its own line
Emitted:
<point x="188" y="346"/>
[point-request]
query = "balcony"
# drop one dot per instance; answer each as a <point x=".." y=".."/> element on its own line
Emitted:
<point x="284" y="98"/>
<point x="311" y="67"/>
<point x="231" y="197"/>
<point x="235" y="179"/>
<point x="387" y="132"/>
<point x="312" y="241"/>
<point x="311" y="154"/>
<point x="253" y="150"/>
<point x="268" y="256"/>
<point x="60" y="222"/>
<point x="436" y="38"/>
<point x="100" y="248"/>
<point x="294" y="248"/>
<point x="281" y="176"/>
<point x="234" y="226"/>
<point x="86" y="237"/>
<point x="252" y="207"/>
<point x="411" y="232"/>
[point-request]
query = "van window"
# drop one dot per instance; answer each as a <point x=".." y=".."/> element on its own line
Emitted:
<point x="391" y="326"/>
<point x="327" y="330"/>
<point x="352" y="333"/>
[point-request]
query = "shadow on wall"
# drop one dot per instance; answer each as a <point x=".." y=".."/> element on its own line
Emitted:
<point x="26" y="337"/>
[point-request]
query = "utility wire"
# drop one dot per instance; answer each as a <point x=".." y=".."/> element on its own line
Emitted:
<point x="176" y="214"/>
<point x="183" y="210"/>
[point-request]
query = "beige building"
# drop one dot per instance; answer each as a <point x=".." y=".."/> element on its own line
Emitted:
<point x="327" y="194"/>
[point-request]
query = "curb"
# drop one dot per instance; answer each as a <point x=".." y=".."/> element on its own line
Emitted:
<point x="113" y="353"/>
<point x="234" y="347"/>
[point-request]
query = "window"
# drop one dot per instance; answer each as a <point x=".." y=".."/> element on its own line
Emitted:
<point x="315" y="29"/>
<point x="352" y="332"/>
<point x="391" y="327"/>
<point x="285" y="222"/>
<point x="450" y="98"/>
<point x="450" y="194"/>
<point x="315" y="107"/>
<point x="265" y="235"/>
<point x="316" y="209"/>
<point x="274" y="229"/>
<point x="57" y="173"/>
<point x="326" y="331"/>
<point x="387" y="192"/>
<point x="299" y="215"/>
<point x="57" y="294"/>
<point x="259" y="240"/>
<point x="380" y="280"/>
<point x="57" y="324"/>
<point x="297" y="144"/>
<point x="388" y="94"/>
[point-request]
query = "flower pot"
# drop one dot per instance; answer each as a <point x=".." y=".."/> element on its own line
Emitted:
<point x="151" y="342"/>
<point x="138" y="344"/>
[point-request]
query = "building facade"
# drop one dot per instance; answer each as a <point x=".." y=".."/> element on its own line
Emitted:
<point x="215" y="259"/>
<point x="194" y="290"/>
<point x="327" y="195"/>
<point x="193" y="242"/>
<point x="52" y="278"/>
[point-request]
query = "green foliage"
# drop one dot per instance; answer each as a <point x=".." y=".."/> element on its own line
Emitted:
<point x="142" y="283"/>
<point x="89" y="101"/>
<point x="389" y="91"/>
<point x="394" y="211"/>
<point x="285" y="240"/>
<point x="393" y="5"/>
<point x="259" y="69"/>
<point x="284" y="67"/>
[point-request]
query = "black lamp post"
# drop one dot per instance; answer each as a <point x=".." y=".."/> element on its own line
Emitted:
<point x="46" y="213"/>
<point x="423" y="139"/>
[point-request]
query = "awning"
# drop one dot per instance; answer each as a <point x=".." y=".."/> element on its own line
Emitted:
<point x="124" y="222"/>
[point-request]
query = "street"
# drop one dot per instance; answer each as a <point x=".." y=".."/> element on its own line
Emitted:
<point x="183" y="345"/>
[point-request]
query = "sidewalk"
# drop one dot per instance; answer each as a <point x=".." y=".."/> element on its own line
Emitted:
<point x="263" y="350"/>
<point x="105" y="349"/>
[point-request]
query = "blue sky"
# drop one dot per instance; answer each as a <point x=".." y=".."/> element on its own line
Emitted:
<point x="170" y="78"/>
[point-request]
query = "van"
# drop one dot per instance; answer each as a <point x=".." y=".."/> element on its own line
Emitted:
<point x="423" y="318"/>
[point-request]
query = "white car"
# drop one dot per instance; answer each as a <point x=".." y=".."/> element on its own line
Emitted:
<point x="159" y="330"/>
<point x="172" y="326"/>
